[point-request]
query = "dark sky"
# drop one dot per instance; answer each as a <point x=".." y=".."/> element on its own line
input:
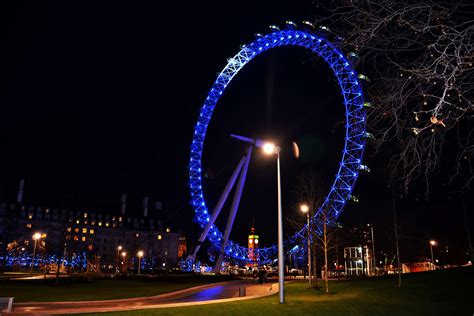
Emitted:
<point x="100" y="99"/>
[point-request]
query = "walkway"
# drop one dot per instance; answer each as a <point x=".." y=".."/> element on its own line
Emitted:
<point x="199" y="295"/>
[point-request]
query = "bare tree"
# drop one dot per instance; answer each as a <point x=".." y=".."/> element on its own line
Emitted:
<point x="419" y="57"/>
<point x="309" y="191"/>
<point x="327" y="240"/>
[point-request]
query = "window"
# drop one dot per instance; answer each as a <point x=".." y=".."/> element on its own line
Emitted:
<point x="76" y="230"/>
<point x="76" y="238"/>
<point x="159" y="237"/>
<point x="120" y="218"/>
<point x="91" y="231"/>
<point x="30" y="216"/>
<point x="168" y="230"/>
<point x="90" y="247"/>
<point x="69" y="229"/>
<point x="100" y="223"/>
<point x="84" y="230"/>
<point x="77" y="221"/>
<point x="28" y="225"/>
<point x="107" y="224"/>
<point x="83" y="238"/>
<point x="85" y="215"/>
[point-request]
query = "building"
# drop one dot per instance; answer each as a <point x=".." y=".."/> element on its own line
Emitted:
<point x="358" y="261"/>
<point x="93" y="235"/>
<point x="253" y="247"/>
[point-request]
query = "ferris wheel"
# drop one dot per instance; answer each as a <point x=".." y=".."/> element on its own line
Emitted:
<point x="317" y="41"/>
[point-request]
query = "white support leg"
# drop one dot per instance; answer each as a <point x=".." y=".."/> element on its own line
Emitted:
<point x="233" y="211"/>
<point x="217" y="208"/>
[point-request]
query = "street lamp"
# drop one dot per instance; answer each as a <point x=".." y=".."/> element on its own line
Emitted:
<point x="123" y="254"/>
<point x="305" y="209"/>
<point x="36" y="237"/>
<point x="119" y="248"/>
<point x="433" y="243"/>
<point x="270" y="149"/>
<point x="139" y="255"/>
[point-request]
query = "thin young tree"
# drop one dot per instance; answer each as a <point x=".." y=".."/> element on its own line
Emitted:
<point x="309" y="191"/>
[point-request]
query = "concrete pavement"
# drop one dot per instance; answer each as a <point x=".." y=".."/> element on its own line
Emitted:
<point x="199" y="295"/>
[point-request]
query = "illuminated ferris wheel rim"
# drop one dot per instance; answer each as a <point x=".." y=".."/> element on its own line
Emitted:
<point x="341" y="189"/>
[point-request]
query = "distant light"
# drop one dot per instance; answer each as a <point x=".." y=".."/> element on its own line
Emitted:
<point x="304" y="208"/>
<point x="140" y="254"/>
<point x="36" y="236"/>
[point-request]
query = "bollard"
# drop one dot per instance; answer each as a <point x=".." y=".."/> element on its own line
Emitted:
<point x="242" y="290"/>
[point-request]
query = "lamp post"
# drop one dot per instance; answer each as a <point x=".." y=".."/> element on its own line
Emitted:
<point x="123" y="254"/>
<point x="119" y="248"/>
<point x="139" y="255"/>
<point x="374" y="266"/>
<point x="36" y="237"/>
<point x="305" y="209"/>
<point x="269" y="149"/>
<point x="432" y="243"/>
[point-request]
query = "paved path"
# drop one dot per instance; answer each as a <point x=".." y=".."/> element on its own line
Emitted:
<point x="200" y="295"/>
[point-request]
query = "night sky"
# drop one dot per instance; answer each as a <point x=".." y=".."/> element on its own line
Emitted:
<point x="100" y="99"/>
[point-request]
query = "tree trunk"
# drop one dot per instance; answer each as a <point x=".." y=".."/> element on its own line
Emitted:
<point x="315" y="266"/>
<point x="399" y="268"/>
<point x="325" y="255"/>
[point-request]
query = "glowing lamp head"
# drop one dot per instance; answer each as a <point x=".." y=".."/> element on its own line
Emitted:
<point x="250" y="241"/>
<point x="119" y="248"/>
<point x="256" y="241"/>
<point x="140" y="254"/>
<point x="269" y="148"/>
<point x="124" y="254"/>
<point x="433" y="243"/>
<point x="304" y="208"/>
<point x="36" y="236"/>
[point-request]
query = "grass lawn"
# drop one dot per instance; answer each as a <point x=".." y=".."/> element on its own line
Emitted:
<point x="102" y="289"/>
<point x="447" y="292"/>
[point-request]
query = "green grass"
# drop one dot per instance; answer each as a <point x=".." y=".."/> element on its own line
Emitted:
<point x="447" y="292"/>
<point x="102" y="289"/>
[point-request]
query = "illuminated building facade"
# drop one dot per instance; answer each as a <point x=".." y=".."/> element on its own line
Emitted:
<point x="358" y="261"/>
<point x="95" y="236"/>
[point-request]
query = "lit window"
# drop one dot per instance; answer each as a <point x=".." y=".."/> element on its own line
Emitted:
<point x="100" y="223"/>
<point x="168" y="230"/>
<point x="91" y="232"/>
<point x="159" y="237"/>
<point x="90" y="247"/>
<point x="107" y="224"/>
<point x="85" y="215"/>
<point x="77" y="221"/>
<point x="83" y="238"/>
<point x="113" y="218"/>
<point x="137" y="235"/>
<point x="84" y="230"/>
<point x="28" y="225"/>
<point x="166" y="253"/>
<point x="47" y="211"/>
<point x="256" y="241"/>
<point x="30" y="216"/>
<point x="93" y="223"/>
<point x="120" y="218"/>
<point x="250" y="240"/>
<point x="76" y="238"/>
<point x="69" y="229"/>
<point x="85" y="222"/>
<point x="76" y="230"/>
